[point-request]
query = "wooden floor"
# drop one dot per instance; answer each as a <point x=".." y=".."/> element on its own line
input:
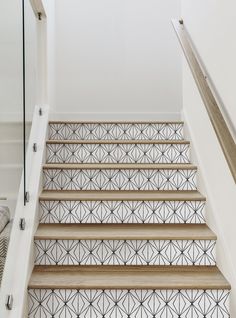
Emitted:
<point x="122" y="195"/>
<point x="124" y="231"/>
<point x="127" y="277"/>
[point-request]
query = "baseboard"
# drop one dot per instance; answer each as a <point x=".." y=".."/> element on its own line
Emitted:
<point x="57" y="116"/>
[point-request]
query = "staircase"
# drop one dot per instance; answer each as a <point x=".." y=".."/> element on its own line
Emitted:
<point x="122" y="230"/>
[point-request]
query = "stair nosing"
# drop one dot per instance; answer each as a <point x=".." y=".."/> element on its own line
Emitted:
<point x="134" y="277"/>
<point x="94" y="231"/>
<point x="73" y="195"/>
<point x="51" y="122"/>
<point x="165" y="166"/>
<point x="117" y="141"/>
<point x="126" y="268"/>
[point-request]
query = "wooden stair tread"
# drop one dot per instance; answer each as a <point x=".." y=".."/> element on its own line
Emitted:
<point x="165" y="166"/>
<point x="124" y="231"/>
<point x="114" y="122"/>
<point x="122" y="195"/>
<point x="127" y="277"/>
<point x="116" y="141"/>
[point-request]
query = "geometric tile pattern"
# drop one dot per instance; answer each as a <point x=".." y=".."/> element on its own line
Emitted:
<point x="118" y="153"/>
<point x="120" y="179"/>
<point x="125" y="252"/>
<point x="117" y="303"/>
<point x="4" y="242"/>
<point x="72" y="303"/>
<point x="122" y="212"/>
<point x="2" y="265"/>
<point x="116" y="131"/>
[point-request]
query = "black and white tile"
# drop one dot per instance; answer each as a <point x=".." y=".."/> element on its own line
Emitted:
<point x="120" y="179"/>
<point x="116" y="131"/>
<point x="72" y="303"/>
<point x="118" y="153"/>
<point x="122" y="212"/>
<point x="98" y="303"/>
<point x="125" y="252"/>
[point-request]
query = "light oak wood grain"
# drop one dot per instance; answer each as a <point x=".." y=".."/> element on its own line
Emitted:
<point x="128" y="277"/>
<point x="219" y="124"/>
<point x="115" y="122"/>
<point x="165" y="166"/>
<point x="100" y="142"/>
<point x="124" y="232"/>
<point x="52" y="195"/>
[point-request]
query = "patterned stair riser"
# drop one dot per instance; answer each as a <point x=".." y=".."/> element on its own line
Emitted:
<point x="122" y="212"/>
<point x="72" y="303"/>
<point x="116" y="131"/>
<point x="125" y="252"/>
<point x="120" y="179"/>
<point x="122" y="303"/>
<point x="118" y="153"/>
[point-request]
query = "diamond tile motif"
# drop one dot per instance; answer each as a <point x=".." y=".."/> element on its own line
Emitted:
<point x="125" y="252"/>
<point x="72" y="303"/>
<point x="118" y="153"/>
<point x="122" y="303"/>
<point x="116" y="131"/>
<point x="120" y="179"/>
<point x="122" y="212"/>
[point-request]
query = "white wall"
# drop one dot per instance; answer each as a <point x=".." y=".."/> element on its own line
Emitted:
<point x="212" y="26"/>
<point x="49" y="51"/>
<point x="31" y="58"/>
<point x="117" y="58"/>
<point x="11" y="60"/>
<point x="11" y="88"/>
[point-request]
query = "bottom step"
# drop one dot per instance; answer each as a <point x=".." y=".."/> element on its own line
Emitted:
<point x="115" y="292"/>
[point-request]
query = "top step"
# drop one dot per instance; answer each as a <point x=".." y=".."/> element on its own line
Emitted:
<point x="116" y="131"/>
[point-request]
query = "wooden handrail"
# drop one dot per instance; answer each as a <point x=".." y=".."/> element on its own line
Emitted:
<point x="221" y="128"/>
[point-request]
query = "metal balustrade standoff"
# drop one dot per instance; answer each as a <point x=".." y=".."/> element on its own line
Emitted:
<point x="9" y="302"/>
